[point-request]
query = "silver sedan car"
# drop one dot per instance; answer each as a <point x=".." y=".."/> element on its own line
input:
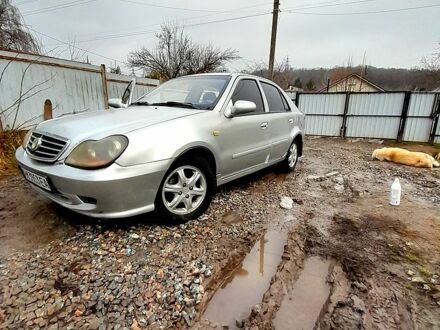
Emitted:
<point x="168" y="150"/>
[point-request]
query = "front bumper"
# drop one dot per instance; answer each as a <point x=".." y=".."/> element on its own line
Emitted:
<point x="112" y="192"/>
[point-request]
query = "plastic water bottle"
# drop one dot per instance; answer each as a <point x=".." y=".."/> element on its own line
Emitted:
<point x="396" y="191"/>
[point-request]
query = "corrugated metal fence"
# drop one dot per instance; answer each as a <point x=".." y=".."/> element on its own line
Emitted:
<point x="27" y="80"/>
<point x="405" y="116"/>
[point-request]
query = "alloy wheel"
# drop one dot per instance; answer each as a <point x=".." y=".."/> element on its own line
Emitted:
<point x="184" y="190"/>
<point x="293" y="155"/>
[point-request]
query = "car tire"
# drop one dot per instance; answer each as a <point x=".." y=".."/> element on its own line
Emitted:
<point x="289" y="163"/>
<point x="205" y="185"/>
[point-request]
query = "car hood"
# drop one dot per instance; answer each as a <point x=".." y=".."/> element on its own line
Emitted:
<point x="101" y="123"/>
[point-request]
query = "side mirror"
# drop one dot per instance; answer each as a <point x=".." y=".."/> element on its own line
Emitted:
<point x="115" y="103"/>
<point x="126" y="98"/>
<point x="243" y="107"/>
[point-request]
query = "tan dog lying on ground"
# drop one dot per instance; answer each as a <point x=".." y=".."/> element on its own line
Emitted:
<point x="405" y="157"/>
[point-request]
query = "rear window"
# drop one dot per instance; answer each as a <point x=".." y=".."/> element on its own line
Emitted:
<point x="274" y="98"/>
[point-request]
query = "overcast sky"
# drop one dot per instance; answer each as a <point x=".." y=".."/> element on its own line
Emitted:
<point x="310" y="34"/>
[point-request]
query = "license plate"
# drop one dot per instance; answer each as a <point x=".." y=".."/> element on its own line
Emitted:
<point x="36" y="179"/>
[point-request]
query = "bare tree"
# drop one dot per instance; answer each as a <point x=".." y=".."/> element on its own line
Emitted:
<point x="115" y="69"/>
<point x="432" y="65"/>
<point x="175" y="54"/>
<point x="13" y="32"/>
<point x="75" y="53"/>
<point x="282" y="73"/>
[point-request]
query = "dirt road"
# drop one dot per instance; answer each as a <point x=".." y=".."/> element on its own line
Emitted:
<point x="341" y="258"/>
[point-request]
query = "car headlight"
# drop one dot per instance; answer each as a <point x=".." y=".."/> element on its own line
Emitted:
<point x="97" y="154"/>
<point x="26" y="138"/>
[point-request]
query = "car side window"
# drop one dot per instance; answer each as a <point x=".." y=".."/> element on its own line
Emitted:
<point x="286" y="105"/>
<point x="247" y="90"/>
<point x="274" y="98"/>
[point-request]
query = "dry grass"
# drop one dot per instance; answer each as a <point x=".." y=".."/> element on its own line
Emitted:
<point x="9" y="142"/>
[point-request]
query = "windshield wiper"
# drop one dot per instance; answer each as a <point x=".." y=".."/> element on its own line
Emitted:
<point x="176" y="104"/>
<point x="141" y="103"/>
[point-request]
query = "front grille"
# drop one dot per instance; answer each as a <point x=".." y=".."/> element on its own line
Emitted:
<point x="46" y="147"/>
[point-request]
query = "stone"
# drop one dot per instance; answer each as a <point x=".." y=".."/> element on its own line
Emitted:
<point x="339" y="188"/>
<point x="185" y="316"/>
<point x="360" y="286"/>
<point x="256" y="310"/>
<point x="339" y="180"/>
<point x="358" y="304"/>
<point x="410" y="272"/>
<point x="135" y="325"/>
<point x="417" y="279"/>
<point x="315" y="178"/>
<point x="286" y="203"/>
<point x="94" y="323"/>
<point x="332" y="173"/>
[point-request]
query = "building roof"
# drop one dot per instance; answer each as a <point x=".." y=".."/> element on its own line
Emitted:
<point x="353" y="75"/>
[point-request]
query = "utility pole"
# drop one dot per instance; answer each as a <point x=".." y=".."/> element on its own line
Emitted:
<point x="273" y="38"/>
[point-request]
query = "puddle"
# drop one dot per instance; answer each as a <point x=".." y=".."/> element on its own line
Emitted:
<point x="247" y="285"/>
<point x="301" y="307"/>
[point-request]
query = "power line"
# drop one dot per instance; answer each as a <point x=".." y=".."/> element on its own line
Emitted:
<point x="227" y="19"/>
<point x="169" y="7"/>
<point x="363" y="12"/>
<point x="329" y="4"/>
<point x="136" y="33"/>
<point x="143" y="32"/>
<point x="25" y="2"/>
<point x="57" y="7"/>
<point x="159" y="24"/>
<point x="73" y="46"/>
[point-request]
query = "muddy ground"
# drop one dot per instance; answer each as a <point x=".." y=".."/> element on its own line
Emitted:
<point x="341" y="258"/>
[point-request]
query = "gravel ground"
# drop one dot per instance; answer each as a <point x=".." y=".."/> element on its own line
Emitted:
<point x="62" y="270"/>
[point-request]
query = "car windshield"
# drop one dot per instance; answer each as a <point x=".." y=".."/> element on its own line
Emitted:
<point x="194" y="92"/>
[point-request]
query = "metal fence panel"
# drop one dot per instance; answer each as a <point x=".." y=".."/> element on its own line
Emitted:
<point x="323" y="125"/>
<point x="376" y="104"/>
<point x="421" y="104"/>
<point x="374" y="115"/>
<point x="417" y="129"/>
<point x="322" y="104"/>
<point x="419" y="121"/>
<point x="373" y="127"/>
<point x="323" y="113"/>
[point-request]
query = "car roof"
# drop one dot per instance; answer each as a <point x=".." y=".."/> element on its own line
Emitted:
<point x="233" y="75"/>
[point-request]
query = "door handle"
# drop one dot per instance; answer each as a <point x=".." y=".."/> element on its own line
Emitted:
<point x="263" y="125"/>
<point x="291" y="120"/>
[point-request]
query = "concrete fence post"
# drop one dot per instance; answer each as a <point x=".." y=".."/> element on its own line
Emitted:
<point x="104" y="86"/>
<point x="344" y="116"/>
